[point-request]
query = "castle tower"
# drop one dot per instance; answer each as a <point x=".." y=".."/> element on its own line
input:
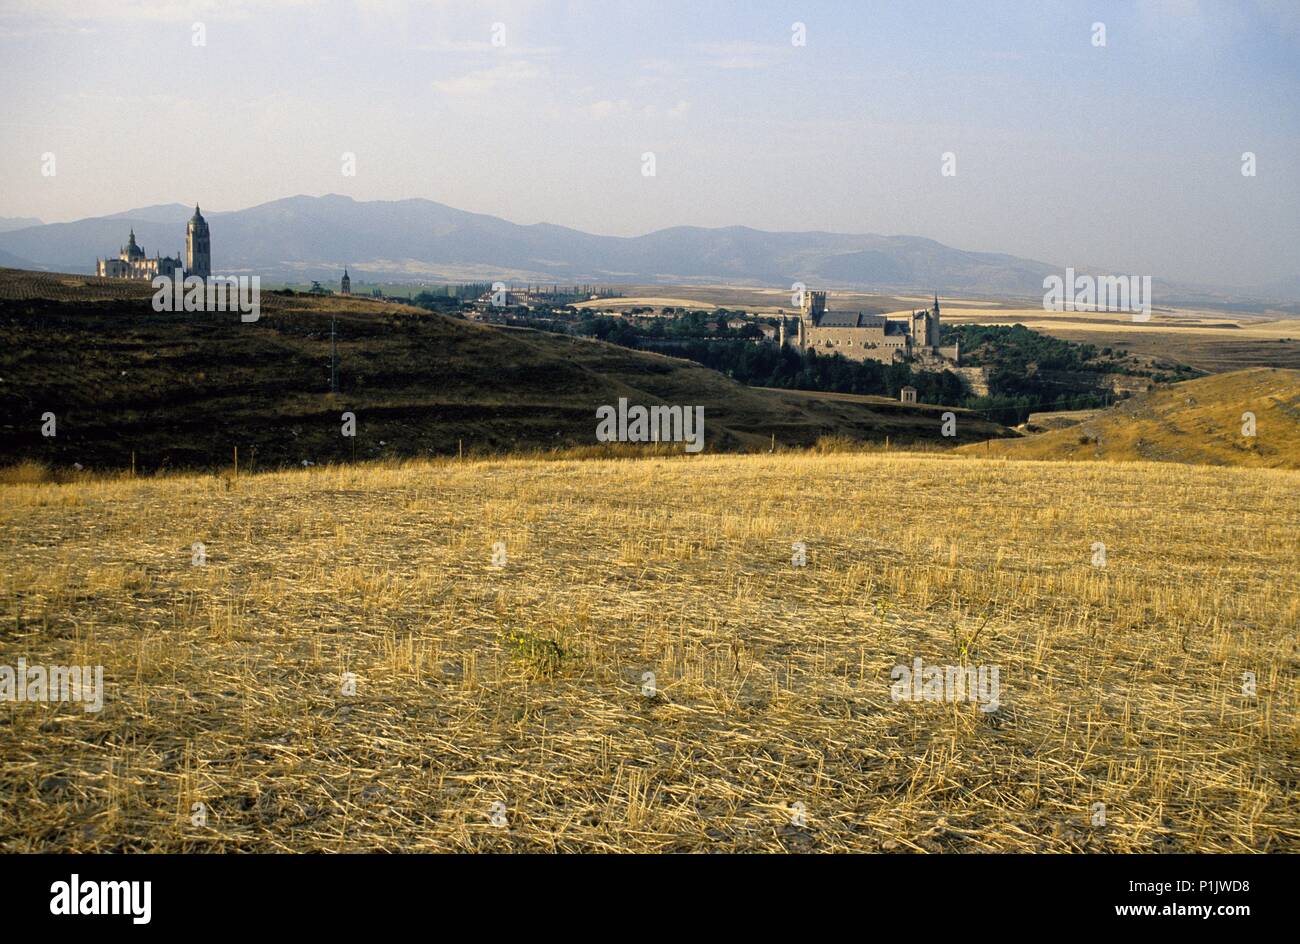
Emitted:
<point x="935" y="336"/>
<point x="780" y="333"/>
<point x="810" y="314"/>
<point x="345" y="286"/>
<point x="198" y="247"/>
<point x="814" y="305"/>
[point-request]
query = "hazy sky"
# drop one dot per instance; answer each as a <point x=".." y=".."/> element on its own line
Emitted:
<point x="1126" y="156"/>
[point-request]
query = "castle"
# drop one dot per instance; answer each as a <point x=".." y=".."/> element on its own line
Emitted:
<point x="861" y="337"/>
<point x="132" y="263"/>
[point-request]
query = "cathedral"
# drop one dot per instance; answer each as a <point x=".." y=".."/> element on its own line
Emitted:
<point x="132" y="263"/>
<point x="861" y="337"/>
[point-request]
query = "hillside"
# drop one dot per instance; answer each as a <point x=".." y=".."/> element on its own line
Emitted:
<point x="185" y="389"/>
<point x="1197" y="421"/>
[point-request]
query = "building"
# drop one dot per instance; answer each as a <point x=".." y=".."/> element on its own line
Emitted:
<point x="198" y="246"/>
<point x="907" y="395"/>
<point x="132" y="263"/>
<point x="862" y="337"/>
<point x="345" y="286"/>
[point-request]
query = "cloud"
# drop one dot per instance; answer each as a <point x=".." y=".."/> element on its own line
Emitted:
<point x="660" y="66"/>
<point x="480" y="81"/>
<point x="605" y="108"/>
<point x="162" y="11"/>
<point x="738" y="54"/>
<point x="484" y="46"/>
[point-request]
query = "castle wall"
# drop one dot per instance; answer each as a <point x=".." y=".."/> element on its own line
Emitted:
<point x="857" y="344"/>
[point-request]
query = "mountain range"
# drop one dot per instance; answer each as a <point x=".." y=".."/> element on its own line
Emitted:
<point x="306" y="237"/>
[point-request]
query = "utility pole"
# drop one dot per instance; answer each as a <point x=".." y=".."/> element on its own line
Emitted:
<point x="334" y="358"/>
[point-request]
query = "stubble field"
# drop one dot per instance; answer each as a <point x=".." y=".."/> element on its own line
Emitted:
<point x="349" y="670"/>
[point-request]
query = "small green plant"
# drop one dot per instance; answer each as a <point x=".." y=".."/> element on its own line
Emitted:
<point x="540" y="654"/>
<point x="963" y="644"/>
<point x="882" y="606"/>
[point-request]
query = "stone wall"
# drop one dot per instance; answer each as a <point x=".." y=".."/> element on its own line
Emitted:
<point x="976" y="379"/>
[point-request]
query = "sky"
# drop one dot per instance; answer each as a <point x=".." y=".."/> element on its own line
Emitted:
<point x="1126" y="157"/>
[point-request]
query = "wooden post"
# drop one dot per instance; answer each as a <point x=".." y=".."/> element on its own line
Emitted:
<point x="132" y="463"/>
<point x="236" y="462"/>
<point x="460" y="449"/>
<point x="773" y="449"/>
<point x="886" y="444"/>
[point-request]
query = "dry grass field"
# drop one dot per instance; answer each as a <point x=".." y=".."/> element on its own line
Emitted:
<point x="503" y="708"/>
<point x="1198" y="421"/>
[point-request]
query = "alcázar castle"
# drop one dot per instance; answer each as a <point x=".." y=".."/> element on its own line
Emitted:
<point x="862" y="337"/>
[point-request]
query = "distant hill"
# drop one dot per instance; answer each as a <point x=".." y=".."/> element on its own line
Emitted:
<point x="1197" y="421"/>
<point x="8" y="223"/>
<point x="315" y="237"/>
<point x="9" y="261"/>
<point x="185" y="389"/>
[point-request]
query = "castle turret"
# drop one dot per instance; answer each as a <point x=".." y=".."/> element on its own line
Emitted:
<point x="345" y="286"/>
<point x="198" y="247"/>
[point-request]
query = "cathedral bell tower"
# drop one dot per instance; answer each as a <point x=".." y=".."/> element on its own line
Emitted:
<point x="198" y="247"/>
